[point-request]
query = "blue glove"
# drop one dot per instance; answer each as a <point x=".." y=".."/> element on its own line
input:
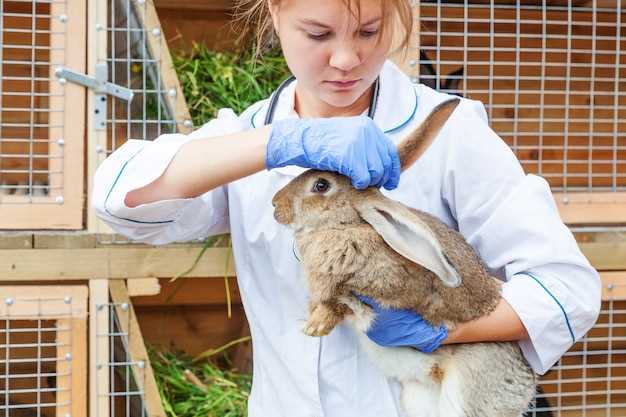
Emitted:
<point x="352" y="146"/>
<point x="394" y="327"/>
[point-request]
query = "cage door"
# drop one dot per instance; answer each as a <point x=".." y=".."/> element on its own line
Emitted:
<point x="41" y="116"/>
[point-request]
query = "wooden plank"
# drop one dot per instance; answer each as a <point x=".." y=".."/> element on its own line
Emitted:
<point x="605" y="256"/>
<point x="96" y="139"/>
<point x="16" y="240"/>
<point x="190" y="292"/>
<point x="33" y="302"/>
<point x="116" y="263"/>
<point x="98" y="348"/>
<point x="613" y="285"/>
<point x="144" y="377"/>
<point x="71" y="380"/>
<point x="577" y="208"/>
<point x="143" y="287"/>
<point x="59" y="240"/>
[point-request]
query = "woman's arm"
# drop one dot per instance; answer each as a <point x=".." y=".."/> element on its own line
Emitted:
<point x="204" y="164"/>
<point x="502" y="324"/>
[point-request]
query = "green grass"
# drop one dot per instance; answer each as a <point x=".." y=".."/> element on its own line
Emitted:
<point x="212" y="80"/>
<point x="199" y="389"/>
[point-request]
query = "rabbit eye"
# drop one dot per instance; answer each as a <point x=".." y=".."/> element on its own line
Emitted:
<point x="320" y="186"/>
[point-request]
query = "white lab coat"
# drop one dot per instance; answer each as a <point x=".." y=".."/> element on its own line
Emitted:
<point x="469" y="178"/>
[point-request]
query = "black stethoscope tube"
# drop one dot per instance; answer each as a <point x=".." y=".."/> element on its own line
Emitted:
<point x="269" y="116"/>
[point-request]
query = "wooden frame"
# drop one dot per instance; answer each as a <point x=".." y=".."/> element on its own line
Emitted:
<point x="61" y="209"/>
<point x="144" y="377"/>
<point x="67" y="306"/>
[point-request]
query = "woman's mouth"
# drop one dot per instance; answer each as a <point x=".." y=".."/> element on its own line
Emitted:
<point x="343" y="85"/>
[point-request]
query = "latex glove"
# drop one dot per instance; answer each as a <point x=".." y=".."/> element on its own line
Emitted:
<point x="393" y="327"/>
<point x="352" y="146"/>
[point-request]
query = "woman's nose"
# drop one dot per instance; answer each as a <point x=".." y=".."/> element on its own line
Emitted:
<point x="345" y="57"/>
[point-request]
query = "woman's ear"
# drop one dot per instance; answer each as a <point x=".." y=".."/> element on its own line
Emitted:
<point x="273" y="6"/>
<point x="408" y="235"/>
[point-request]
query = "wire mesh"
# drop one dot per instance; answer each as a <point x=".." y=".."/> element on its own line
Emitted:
<point x="590" y="379"/>
<point x="552" y="75"/>
<point x="134" y="65"/>
<point x="126" y="375"/>
<point x="27" y="104"/>
<point x="35" y="353"/>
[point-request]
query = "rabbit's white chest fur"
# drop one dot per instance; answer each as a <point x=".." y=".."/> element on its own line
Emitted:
<point x="422" y="393"/>
<point x="454" y="380"/>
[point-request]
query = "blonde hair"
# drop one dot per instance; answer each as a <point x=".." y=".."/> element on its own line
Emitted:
<point x="254" y="16"/>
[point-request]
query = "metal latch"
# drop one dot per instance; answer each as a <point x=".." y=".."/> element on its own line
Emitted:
<point x="101" y="88"/>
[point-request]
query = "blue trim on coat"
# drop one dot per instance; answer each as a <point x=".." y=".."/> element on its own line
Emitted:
<point x="403" y="124"/>
<point x="400" y="126"/>
<point x="119" y="174"/>
<point x="569" y="327"/>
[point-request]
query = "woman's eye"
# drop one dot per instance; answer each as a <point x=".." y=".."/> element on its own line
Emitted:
<point x="369" y="33"/>
<point x="320" y="186"/>
<point x="318" y="36"/>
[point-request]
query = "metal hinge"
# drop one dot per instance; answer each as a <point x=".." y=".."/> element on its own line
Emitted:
<point x="101" y="88"/>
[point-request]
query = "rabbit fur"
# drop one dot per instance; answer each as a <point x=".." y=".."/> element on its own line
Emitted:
<point x="360" y="242"/>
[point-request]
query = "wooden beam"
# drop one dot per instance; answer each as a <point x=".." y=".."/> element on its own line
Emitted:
<point x="143" y="287"/>
<point x="606" y="256"/>
<point x="99" y="347"/>
<point x="32" y="302"/>
<point x="144" y="376"/>
<point x="613" y="285"/>
<point x="96" y="139"/>
<point x="112" y="263"/>
<point x="577" y="208"/>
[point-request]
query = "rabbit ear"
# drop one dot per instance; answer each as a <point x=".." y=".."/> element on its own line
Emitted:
<point x="416" y="143"/>
<point x="408" y="235"/>
<point x="428" y="75"/>
<point x="453" y="81"/>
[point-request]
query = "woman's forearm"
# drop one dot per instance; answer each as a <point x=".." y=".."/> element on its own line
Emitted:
<point x="204" y="164"/>
<point x="503" y="324"/>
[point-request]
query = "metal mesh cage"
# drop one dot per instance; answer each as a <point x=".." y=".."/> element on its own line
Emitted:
<point x="25" y="106"/>
<point x="42" y="351"/>
<point x="590" y="379"/>
<point x="135" y="63"/>
<point x="552" y="75"/>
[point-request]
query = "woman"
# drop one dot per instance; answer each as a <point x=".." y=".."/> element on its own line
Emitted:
<point x="222" y="177"/>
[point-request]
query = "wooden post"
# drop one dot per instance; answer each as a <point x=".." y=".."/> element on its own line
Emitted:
<point x="98" y="348"/>
<point x="144" y="376"/>
<point x="96" y="139"/>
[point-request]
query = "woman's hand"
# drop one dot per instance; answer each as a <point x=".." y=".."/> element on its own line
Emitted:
<point x="352" y="146"/>
<point x="394" y="327"/>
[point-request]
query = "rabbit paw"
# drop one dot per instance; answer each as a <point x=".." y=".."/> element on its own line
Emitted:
<point x="322" y="320"/>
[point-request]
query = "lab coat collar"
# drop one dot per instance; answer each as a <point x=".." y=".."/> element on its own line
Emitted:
<point x="397" y="101"/>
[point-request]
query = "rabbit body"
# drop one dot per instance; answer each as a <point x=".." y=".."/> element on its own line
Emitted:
<point x="480" y="379"/>
<point x="360" y="242"/>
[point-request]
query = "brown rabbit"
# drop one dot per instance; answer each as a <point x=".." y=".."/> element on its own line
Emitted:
<point x="360" y="242"/>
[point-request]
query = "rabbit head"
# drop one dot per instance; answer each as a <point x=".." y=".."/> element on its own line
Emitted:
<point x="321" y="200"/>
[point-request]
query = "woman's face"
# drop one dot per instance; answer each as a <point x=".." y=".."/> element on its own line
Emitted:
<point x="334" y="57"/>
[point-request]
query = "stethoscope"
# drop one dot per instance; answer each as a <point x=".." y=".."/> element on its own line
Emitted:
<point x="271" y="109"/>
<point x="269" y="116"/>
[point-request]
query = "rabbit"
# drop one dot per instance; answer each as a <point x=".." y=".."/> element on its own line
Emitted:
<point x="360" y="242"/>
<point x="428" y="77"/>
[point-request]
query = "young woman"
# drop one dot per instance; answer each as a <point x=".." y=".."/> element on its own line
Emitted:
<point x="221" y="178"/>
